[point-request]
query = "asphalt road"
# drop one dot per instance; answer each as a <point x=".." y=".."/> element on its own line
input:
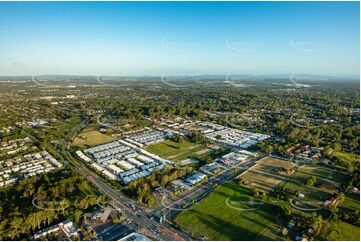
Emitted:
<point x="141" y="221"/>
<point x="140" y="217"/>
<point x="199" y="192"/>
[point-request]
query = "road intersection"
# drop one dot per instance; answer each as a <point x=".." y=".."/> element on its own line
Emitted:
<point x="142" y="217"/>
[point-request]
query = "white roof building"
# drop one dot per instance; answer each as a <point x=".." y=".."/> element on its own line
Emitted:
<point x="115" y="169"/>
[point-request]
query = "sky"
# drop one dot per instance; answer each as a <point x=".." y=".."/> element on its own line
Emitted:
<point x="179" y="38"/>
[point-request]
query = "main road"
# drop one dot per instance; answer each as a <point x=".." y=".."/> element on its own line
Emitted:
<point x="141" y="217"/>
<point x="140" y="221"/>
<point x="199" y="192"/>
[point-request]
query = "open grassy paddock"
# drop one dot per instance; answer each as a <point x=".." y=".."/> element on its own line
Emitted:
<point x="341" y="231"/>
<point x="352" y="202"/>
<point x="344" y="157"/>
<point x="267" y="173"/>
<point x="177" y="151"/>
<point x="230" y="213"/>
<point x="327" y="184"/>
<point x="92" y="138"/>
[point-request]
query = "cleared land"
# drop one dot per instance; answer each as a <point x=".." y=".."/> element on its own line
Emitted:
<point x="92" y="138"/>
<point x="176" y="151"/>
<point x="267" y="173"/>
<point x="221" y="216"/>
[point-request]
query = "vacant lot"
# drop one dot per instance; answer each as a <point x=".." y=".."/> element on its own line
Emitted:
<point x="176" y="151"/>
<point x="267" y="173"/>
<point x="228" y="214"/>
<point x="92" y="138"/>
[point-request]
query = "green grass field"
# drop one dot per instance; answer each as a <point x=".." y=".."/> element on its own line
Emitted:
<point x="352" y="202"/>
<point x="320" y="192"/>
<point x="325" y="176"/>
<point x="345" y="158"/>
<point x="176" y="151"/>
<point x="92" y="138"/>
<point x="217" y="219"/>
<point x="341" y="231"/>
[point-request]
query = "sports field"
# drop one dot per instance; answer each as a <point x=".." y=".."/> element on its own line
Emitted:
<point x="230" y="213"/>
<point x="176" y="151"/>
<point x="267" y="173"/>
<point x="92" y="138"/>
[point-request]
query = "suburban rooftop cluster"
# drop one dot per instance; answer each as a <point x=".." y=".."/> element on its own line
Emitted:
<point x="122" y="161"/>
<point x="11" y="170"/>
<point x="234" y="137"/>
<point x="14" y="146"/>
<point x="146" y="137"/>
<point x="66" y="228"/>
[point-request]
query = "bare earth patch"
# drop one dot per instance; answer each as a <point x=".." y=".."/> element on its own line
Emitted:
<point x="267" y="173"/>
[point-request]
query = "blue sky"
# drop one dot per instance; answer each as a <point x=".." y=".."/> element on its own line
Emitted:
<point x="123" y="38"/>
